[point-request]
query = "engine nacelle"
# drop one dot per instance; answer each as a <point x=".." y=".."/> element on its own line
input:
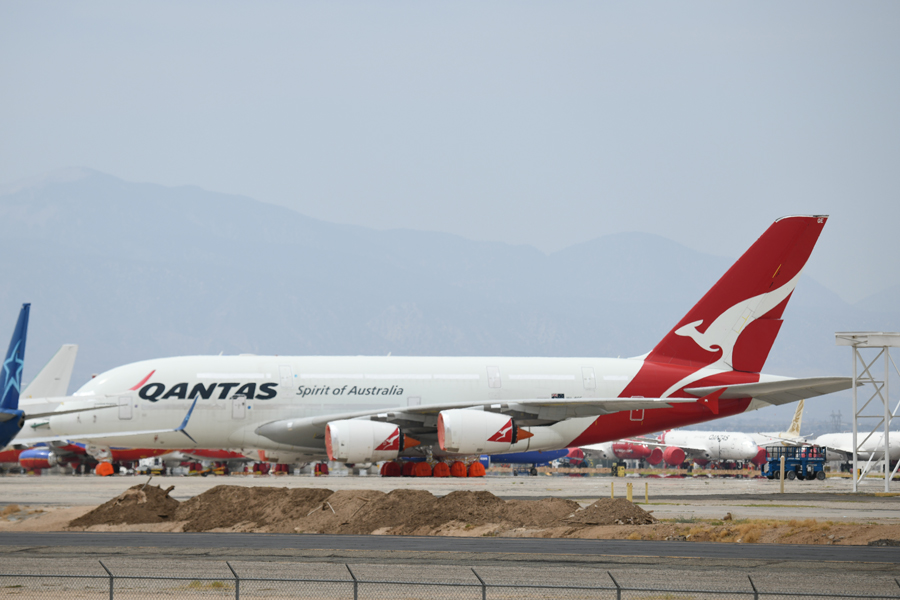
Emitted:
<point x="465" y="431"/>
<point x="630" y="450"/>
<point x="363" y="441"/>
<point x="761" y="457"/>
<point x="673" y="456"/>
<point x="37" y="458"/>
<point x="656" y="456"/>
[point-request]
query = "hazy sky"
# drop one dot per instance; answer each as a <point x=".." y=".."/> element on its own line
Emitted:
<point x="536" y="123"/>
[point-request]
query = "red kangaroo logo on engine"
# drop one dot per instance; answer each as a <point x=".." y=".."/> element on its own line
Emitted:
<point x="504" y="435"/>
<point x="392" y="443"/>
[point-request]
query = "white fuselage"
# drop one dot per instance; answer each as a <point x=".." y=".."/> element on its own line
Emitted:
<point x="713" y="445"/>
<point x="238" y="394"/>
<point x="840" y="445"/>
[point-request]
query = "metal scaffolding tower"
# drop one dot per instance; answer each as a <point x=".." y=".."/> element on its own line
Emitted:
<point x="880" y="344"/>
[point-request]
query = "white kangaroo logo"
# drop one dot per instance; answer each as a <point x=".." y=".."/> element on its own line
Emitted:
<point x="724" y="331"/>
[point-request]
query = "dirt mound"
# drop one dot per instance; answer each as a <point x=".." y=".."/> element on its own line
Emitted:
<point x="138" y="504"/>
<point x="400" y="512"/>
<point x="611" y="511"/>
<point x="472" y="508"/>
<point x="538" y="513"/>
<point x="225" y="506"/>
<point x="391" y="513"/>
<point x="338" y="512"/>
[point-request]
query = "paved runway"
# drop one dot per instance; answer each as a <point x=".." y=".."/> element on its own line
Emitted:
<point x="263" y="541"/>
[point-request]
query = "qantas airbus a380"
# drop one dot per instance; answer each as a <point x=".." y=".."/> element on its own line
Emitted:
<point x="360" y="409"/>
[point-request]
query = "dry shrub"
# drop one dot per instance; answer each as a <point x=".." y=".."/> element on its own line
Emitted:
<point x="751" y="532"/>
<point x="804" y="524"/>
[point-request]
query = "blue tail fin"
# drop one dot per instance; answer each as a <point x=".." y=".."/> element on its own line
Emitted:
<point x="11" y="373"/>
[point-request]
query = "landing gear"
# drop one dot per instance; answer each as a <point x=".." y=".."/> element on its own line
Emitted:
<point x="533" y="472"/>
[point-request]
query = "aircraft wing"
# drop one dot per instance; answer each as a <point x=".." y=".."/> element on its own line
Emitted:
<point x="115" y="434"/>
<point x="536" y="411"/>
<point x="657" y="444"/>
<point x="779" y="392"/>
<point x="785" y="441"/>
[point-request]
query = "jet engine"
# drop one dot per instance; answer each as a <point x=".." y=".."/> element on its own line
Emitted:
<point x="656" y="456"/>
<point x="37" y="458"/>
<point x="760" y="458"/>
<point x="673" y="456"/>
<point x="630" y="450"/>
<point x="355" y="441"/>
<point x="475" y="432"/>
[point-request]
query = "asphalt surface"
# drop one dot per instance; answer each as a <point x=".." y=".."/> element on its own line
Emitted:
<point x="637" y="548"/>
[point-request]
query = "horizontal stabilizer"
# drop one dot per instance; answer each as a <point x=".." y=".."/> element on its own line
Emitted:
<point x="783" y="391"/>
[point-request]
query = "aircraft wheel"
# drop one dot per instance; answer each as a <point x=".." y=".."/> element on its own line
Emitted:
<point x="820" y="475"/>
<point x="790" y="475"/>
<point x="533" y="472"/>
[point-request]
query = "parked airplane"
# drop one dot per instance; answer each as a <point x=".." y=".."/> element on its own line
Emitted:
<point x="367" y="409"/>
<point x="839" y="446"/>
<point x="53" y="380"/>
<point x="12" y="417"/>
<point x="791" y="437"/>
<point x="676" y="446"/>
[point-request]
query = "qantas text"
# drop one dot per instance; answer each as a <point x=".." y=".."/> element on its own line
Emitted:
<point x="154" y="391"/>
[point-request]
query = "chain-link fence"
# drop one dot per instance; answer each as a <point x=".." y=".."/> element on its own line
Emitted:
<point x="236" y="587"/>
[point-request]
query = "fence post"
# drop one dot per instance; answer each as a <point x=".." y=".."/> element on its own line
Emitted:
<point x="618" y="588"/>
<point x="755" y="591"/>
<point x="483" y="585"/>
<point x="108" y="572"/>
<point x="355" y="583"/>
<point x="237" y="582"/>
